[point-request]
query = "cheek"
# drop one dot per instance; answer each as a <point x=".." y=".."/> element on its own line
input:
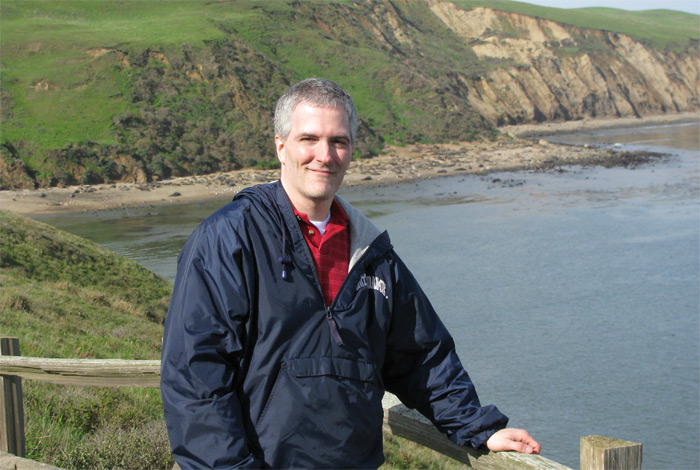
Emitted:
<point x="303" y="155"/>
<point x="291" y="158"/>
<point x="346" y="159"/>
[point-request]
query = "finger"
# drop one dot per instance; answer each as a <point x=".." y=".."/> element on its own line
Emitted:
<point x="517" y="446"/>
<point x="524" y="448"/>
<point x="531" y="444"/>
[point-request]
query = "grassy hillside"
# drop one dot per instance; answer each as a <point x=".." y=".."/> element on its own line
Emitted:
<point x="661" y="29"/>
<point x="144" y="90"/>
<point x="64" y="296"/>
<point x="98" y="91"/>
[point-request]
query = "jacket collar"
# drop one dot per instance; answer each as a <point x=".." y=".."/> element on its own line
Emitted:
<point x="363" y="233"/>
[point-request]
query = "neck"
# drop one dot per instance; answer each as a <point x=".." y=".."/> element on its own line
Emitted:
<point x="314" y="209"/>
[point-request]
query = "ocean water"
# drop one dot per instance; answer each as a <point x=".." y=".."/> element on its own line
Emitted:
<point x="573" y="295"/>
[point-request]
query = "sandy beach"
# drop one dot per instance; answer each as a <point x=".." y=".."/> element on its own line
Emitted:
<point x="520" y="149"/>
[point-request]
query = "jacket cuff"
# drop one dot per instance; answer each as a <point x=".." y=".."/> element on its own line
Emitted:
<point x="479" y="440"/>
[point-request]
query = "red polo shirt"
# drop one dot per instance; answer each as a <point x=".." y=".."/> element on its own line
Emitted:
<point x="331" y="252"/>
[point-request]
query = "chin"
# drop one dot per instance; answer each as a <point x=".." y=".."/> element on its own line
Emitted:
<point x="322" y="193"/>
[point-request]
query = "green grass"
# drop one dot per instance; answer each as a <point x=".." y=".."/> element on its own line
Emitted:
<point x="95" y="428"/>
<point x="116" y="24"/>
<point x="50" y="43"/>
<point x="64" y="296"/>
<point x="38" y="253"/>
<point x="401" y="453"/>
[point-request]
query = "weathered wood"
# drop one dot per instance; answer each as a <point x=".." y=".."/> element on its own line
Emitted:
<point x="603" y="453"/>
<point x="85" y="372"/>
<point x="410" y="424"/>
<point x="11" y="404"/>
<point x="12" y="462"/>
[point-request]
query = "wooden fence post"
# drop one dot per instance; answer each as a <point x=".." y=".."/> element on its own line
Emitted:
<point x="11" y="406"/>
<point x="603" y="453"/>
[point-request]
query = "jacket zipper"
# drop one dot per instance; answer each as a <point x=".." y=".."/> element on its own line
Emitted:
<point x="334" y="327"/>
<point x="335" y="332"/>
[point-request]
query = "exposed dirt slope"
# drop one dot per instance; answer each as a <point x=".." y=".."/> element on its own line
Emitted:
<point x="557" y="71"/>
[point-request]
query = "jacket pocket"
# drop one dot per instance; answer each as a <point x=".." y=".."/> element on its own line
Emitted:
<point x="323" y="412"/>
<point x="308" y="367"/>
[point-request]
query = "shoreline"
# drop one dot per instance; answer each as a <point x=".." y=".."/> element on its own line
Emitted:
<point x="515" y="152"/>
<point x="589" y="124"/>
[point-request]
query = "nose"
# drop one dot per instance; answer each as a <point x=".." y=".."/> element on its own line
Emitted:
<point x="324" y="151"/>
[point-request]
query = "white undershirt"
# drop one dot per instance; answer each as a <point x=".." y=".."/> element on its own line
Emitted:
<point x="321" y="225"/>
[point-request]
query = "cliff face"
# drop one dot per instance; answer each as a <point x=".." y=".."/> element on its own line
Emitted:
<point x="552" y="71"/>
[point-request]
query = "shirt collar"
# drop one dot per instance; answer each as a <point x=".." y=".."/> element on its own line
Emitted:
<point x="338" y="215"/>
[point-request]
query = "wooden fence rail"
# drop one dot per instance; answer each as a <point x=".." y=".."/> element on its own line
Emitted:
<point x="84" y="372"/>
<point x="596" y="452"/>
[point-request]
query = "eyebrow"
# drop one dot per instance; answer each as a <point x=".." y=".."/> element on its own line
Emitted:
<point x="333" y="137"/>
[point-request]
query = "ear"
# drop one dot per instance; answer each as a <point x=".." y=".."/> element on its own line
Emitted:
<point x="279" y="145"/>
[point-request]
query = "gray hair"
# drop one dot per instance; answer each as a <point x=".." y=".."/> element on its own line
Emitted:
<point x="316" y="92"/>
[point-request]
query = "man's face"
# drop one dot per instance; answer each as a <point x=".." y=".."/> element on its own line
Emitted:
<point x="314" y="156"/>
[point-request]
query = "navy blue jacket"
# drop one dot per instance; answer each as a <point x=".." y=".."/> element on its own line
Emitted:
<point x="258" y="372"/>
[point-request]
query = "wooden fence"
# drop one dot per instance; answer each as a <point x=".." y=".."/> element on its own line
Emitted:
<point x="596" y="452"/>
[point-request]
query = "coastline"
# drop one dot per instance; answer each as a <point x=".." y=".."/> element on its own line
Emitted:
<point x="518" y="150"/>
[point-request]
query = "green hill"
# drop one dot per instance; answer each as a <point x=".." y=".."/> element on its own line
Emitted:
<point x="86" y="300"/>
<point x="64" y="296"/>
<point x="144" y="90"/>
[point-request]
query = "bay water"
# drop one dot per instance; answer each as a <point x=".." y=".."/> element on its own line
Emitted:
<point x="573" y="294"/>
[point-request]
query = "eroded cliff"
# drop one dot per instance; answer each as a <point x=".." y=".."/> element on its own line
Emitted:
<point x="552" y="71"/>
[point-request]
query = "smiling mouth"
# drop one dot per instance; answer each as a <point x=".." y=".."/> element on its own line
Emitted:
<point x="321" y="171"/>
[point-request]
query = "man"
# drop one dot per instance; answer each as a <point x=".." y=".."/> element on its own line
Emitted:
<point x="292" y="314"/>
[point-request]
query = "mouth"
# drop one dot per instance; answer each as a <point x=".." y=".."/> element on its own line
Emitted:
<point x="322" y="171"/>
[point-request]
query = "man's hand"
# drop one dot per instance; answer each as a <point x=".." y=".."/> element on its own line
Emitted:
<point x="517" y="440"/>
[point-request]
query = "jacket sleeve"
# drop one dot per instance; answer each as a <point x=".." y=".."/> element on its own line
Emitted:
<point x="203" y="340"/>
<point x="422" y="368"/>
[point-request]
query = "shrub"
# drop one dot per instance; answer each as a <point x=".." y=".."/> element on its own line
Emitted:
<point x="142" y="447"/>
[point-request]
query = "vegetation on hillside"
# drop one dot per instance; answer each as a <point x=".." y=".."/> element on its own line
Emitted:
<point x="86" y="100"/>
<point x="64" y="296"/>
<point x="139" y="91"/>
